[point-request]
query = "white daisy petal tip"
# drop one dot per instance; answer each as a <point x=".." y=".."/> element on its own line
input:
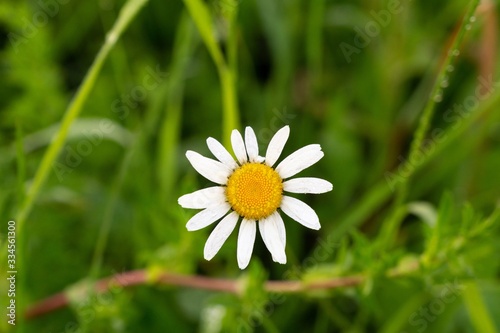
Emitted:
<point x="221" y="153"/>
<point x="307" y="185"/>
<point x="191" y="227"/>
<point x="219" y="235"/>
<point x="239" y="148"/>
<point x="328" y="185"/>
<point x="300" y="212"/>
<point x="184" y="201"/>
<point x="242" y="265"/>
<point x="285" y="131"/>
<point x="280" y="260"/>
<point x="203" y="198"/>
<point x="207" y="216"/>
<point x="212" y="170"/>
<point x="246" y="240"/>
<point x="316" y="227"/>
<point x="299" y="160"/>
<point x="271" y="229"/>
<point x="251" y="144"/>
<point x="276" y="145"/>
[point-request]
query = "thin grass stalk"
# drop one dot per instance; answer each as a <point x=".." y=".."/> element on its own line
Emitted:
<point x="226" y="71"/>
<point x="128" y="12"/>
<point x="436" y="95"/>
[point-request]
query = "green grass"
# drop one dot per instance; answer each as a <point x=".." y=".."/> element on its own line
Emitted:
<point x="101" y="100"/>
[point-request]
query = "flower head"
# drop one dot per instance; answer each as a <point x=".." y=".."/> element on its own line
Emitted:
<point x="251" y="188"/>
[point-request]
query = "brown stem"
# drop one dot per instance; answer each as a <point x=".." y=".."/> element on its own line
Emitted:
<point x="140" y="277"/>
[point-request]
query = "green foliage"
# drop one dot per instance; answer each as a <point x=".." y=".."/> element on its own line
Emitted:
<point x="101" y="99"/>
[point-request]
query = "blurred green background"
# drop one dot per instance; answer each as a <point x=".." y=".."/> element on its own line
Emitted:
<point x="420" y="235"/>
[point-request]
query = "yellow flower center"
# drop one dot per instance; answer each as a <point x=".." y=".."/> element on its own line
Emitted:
<point x="254" y="190"/>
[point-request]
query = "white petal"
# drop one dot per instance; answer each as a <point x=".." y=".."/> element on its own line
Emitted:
<point x="204" y="198"/>
<point x="221" y="153"/>
<point x="207" y="216"/>
<point x="276" y="145"/>
<point x="238" y="146"/>
<point x="219" y="235"/>
<point x="281" y="228"/>
<point x="246" y="239"/>
<point x="211" y="169"/>
<point x="307" y="185"/>
<point x="300" y="212"/>
<point x="251" y="144"/>
<point x="299" y="160"/>
<point x="260" y="159"/>
<point x="271" y="235"/>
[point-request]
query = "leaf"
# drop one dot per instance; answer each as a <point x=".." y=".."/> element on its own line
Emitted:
<point x="444" y="217"/>
<point x="478" y="311"/>
<point x="425" y="211"/>
<point x="203" y="20"/>
<point x="128" y="12"/>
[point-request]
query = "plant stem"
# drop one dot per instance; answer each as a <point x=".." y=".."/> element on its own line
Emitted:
<point x="141" y="277"/>
<point x="381" y="192"/>
<point x="226" y="70"/>
<point x="128" y="12"/>
<point x="397" y="214"/>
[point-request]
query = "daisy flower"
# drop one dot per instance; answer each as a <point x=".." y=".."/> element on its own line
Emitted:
<point x="251" y="188"/>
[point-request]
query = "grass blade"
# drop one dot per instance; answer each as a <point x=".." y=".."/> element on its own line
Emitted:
<point x="128" y="12"/>
<point x="478" y="312"/>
